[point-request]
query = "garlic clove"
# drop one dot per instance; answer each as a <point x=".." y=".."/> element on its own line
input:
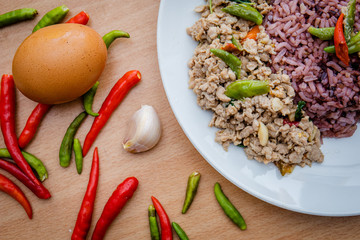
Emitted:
<point x="263" y="134"/>
<point x="144" y="130"/>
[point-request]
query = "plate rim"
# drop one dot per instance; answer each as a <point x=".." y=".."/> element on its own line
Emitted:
<point x="245" y="188"/>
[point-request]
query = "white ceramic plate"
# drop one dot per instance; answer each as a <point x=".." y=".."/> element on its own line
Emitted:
<point x="329" y="189"/>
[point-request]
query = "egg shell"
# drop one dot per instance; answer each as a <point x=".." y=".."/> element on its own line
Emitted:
<point x="59" y="63"/>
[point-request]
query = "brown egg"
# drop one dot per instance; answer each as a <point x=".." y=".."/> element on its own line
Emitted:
<point x="59" y="63"/>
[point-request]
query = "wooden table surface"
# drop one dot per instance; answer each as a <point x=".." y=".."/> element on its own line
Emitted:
<point x="162" y="171"/>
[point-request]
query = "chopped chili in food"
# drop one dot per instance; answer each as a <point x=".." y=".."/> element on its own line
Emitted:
<point x="341" y="47"/>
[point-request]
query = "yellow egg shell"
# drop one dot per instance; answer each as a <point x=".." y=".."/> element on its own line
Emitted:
<point x="59" y="63"/>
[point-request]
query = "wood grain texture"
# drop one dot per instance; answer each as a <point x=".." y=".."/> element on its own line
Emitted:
<point x="162" y="171"/>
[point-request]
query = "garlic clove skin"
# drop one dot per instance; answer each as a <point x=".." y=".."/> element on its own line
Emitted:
<point x="144" y="130"/>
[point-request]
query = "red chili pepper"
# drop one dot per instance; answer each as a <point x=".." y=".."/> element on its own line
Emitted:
<point x="32" y="124"/>
<point x="7" y="116"/>
<point x="341" y="48"/>
<point x="11" y="168"/>
<point x="166" y="231"/>
<point x="112" y="208"/>
<point x="229" y="47"/>
<point x="83" y="221"/>
<point x="80" y="18"/>
<point x="7" y="186"/>
<point x="116" y="95"/>
<point x="252" y="34"/>
<point x="290" y="123"/>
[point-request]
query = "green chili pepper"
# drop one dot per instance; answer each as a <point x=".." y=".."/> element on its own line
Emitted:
<point x="330" y="49"/>
<point x="353" y="41"/>
<point x="33" y="161"/>
<point x="78" y="155"/>
<point x="52" y="17"/>
<point x="243" y="1"/>
<point x="231" y="60"/>
<point x="17" y="16"/>
<point x="354" y="48"/>
<point x="230" y="103"/>
<point x="247" y="88"/>
<point x="191" y="189"/>
<point x="154" y="228"/>
<point x="210" y="6"/>
<point x="322" y="33"/>
<point x="244" y="11"/>
<point x="88" y="100"/>
<point x="228" y="207"/>
<point x="349" y="19"/>
<point x="67" y="142"/>
<point x="236" y="43"/>
<point x="298" y="112"/>
<point x="179" y="231"/>
<point x="111" y="36"/>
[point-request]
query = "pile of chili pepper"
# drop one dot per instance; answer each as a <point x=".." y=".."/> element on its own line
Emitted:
<point x="112" y="208"/>
<point x="112" y="101"/>
<point x="166" y="226"/>
<point x="22" y="169"/>
<point x="346" y="42"/>
<point x="69" y="142"/>
<point x="23" y="160"/>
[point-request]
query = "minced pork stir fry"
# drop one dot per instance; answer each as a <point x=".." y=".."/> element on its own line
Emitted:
<point x="264" y="124"/>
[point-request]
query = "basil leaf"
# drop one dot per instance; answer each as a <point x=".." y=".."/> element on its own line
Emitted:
<point x="298" y="113"/>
